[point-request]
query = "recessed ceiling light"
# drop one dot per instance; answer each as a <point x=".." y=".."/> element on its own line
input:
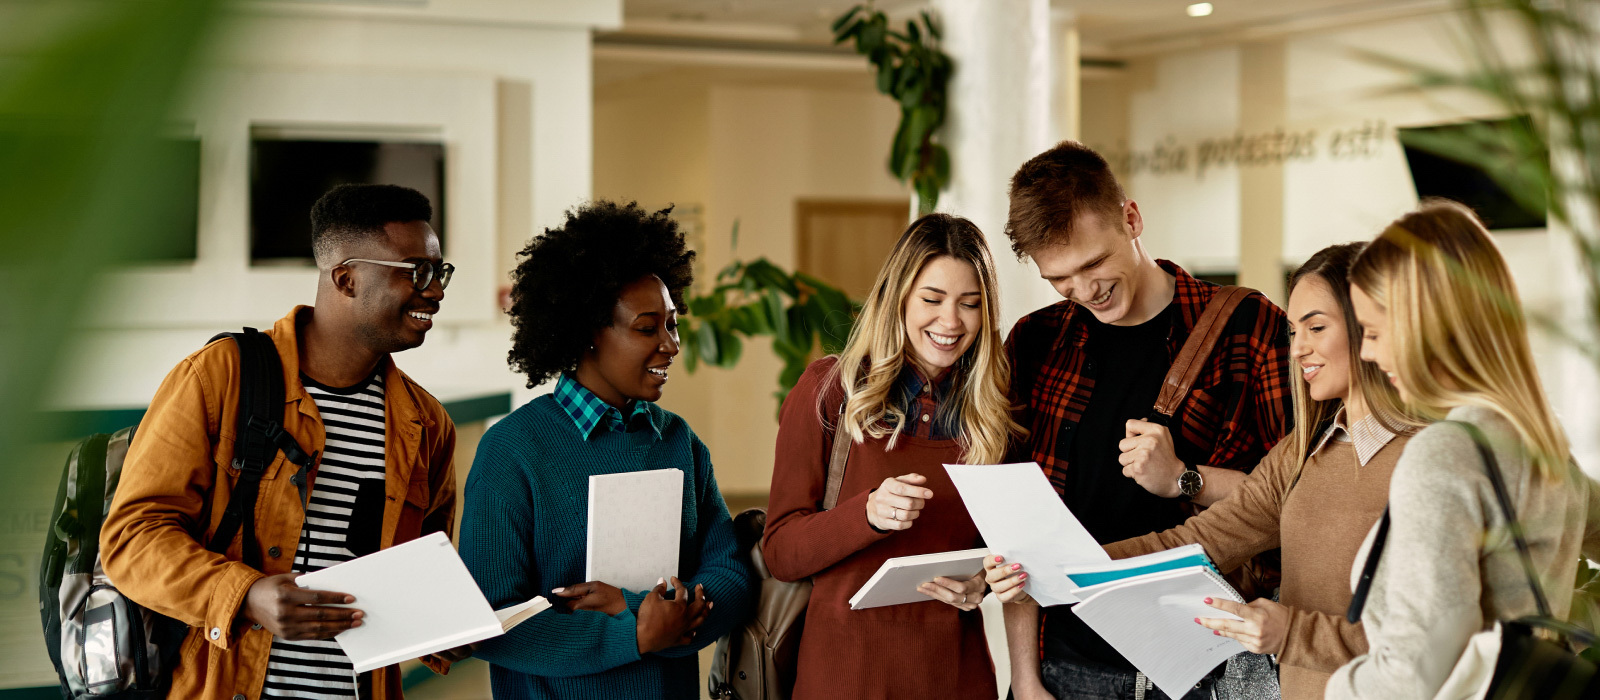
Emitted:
<point x="1200" y="9"/>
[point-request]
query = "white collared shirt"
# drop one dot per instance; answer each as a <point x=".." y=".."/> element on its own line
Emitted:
<point x="1368" y="434"/>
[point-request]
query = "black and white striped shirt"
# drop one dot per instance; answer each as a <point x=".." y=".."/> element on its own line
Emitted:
<point x="344" y="520"/>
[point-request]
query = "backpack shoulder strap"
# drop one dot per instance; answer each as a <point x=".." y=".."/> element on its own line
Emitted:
<point x="837" y="459"/>
<point x="260" y="435"/>
<point x="1202" y="340"/>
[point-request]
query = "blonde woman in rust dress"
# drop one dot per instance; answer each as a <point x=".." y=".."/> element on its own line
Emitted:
<point x="922" y="382"/>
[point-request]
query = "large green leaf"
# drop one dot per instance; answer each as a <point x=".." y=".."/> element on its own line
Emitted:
<point x="732" y="347"/>
<point x="86" y="91"/>
<point x="770" y="276"/>
<point x="871" y="37"/>
<point x="940" y="165"/>
<point x="777" y="317"/>
<point x="706" y="339"/>
<point x="845" y="18"/>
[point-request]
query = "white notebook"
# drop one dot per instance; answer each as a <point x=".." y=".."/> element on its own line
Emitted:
<point x="897" y="580"/>
<point x="418" y="598"/>
<point x="1149" y="619"/>
<point x="1023" y="519"/>
<point x="635" y="525"/>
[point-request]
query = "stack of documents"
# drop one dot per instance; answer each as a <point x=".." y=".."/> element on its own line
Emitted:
<point x="1144" y="607"/>
<point x="418" y="598"/>
<point x="897" y="580"/>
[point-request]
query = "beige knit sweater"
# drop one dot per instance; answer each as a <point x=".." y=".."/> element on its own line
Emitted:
<point x="1319" y="526"/>
<point x="1449" y="568"/>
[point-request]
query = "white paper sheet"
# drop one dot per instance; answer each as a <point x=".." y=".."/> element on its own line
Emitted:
<point x="635" y="525"/>
<point x="418" y="598"/>
<point x="1150" y="621"/>
<point x="896" y="581"/>
<point x="1023" y="519"/>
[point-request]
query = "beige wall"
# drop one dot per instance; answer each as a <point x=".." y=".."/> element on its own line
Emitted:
<point x="744" y="148"/>
<point x="1329" y="88"/>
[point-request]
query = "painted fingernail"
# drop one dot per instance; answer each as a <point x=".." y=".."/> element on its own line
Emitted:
<point x="660" y="581"/>
<point x="1022" y="576"/>
<point x="1208" y="601"/>
<point x="557" y="590"/>
<point x="1197" y="620"/>
<point x="1217" y="632"/>
<point x="1014" y="567"/>
<point x="998" y="559"/>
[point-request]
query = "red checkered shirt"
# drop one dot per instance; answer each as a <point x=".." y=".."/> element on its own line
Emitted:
<point x="1238" y="408"/>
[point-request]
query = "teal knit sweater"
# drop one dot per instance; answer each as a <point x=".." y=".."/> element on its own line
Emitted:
<point x="523" y="533"/>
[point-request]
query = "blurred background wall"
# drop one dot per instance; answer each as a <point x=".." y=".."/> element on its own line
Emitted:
<point x="1251" y="137"/>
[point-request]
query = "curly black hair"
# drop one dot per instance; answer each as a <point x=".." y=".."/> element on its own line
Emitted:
<point x="566" y="286"/>
<point x="351" y="212"/>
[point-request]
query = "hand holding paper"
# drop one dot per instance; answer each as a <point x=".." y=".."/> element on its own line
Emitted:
<point x="1023" y="519"/>
<point x="418" y="599"/>
<point x="1006" y="579"/>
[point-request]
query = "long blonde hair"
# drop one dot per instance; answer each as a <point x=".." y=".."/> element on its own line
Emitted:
<point x="877" y="351"/>
<point x="1331" y="266"/>
<point x="1457" y="325"/>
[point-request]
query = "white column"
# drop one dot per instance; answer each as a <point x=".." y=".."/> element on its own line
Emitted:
<point x="999" y="116"/>
<point x="1066" y="115"/>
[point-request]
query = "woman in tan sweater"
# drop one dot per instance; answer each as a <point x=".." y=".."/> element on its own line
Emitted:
<point x="1315" y="494"/>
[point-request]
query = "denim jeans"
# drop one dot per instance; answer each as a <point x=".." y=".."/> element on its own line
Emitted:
<point x="1068" y="681"/>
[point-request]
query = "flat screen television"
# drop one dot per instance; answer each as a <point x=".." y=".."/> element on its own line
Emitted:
<point x="287" y="176"/>
<point x="1436" y="175"/>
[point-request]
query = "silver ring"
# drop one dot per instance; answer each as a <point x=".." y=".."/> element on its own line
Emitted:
<point x="894" y="513"/>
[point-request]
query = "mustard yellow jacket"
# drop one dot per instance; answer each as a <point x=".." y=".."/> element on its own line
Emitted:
<point x="175" y="485"/>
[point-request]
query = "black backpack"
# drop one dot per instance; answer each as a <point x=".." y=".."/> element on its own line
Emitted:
<point x="102" y="644"/>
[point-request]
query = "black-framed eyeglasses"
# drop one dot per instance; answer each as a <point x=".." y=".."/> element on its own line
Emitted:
<point x="422" y="273"/>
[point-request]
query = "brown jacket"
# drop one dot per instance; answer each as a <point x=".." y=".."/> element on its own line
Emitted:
<point x="167" y="506"/>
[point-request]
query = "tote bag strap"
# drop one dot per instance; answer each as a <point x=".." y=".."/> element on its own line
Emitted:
<point x="1501" y="494"/>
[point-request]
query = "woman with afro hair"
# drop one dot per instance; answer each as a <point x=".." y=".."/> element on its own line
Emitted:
<point x="594" y="308"/>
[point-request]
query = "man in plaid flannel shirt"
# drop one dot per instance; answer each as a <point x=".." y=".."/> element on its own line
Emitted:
<point x="1086" y="372"/>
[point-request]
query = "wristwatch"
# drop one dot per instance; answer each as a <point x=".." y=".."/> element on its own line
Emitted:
<point x="1190" y="482"/>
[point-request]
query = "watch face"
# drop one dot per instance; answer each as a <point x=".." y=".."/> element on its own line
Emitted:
<point x="1190" y="483"/>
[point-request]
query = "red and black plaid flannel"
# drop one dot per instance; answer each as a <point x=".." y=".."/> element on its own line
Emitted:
<point x="1238" y="408"/>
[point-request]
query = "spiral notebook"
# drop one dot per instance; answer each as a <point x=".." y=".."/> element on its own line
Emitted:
<point x="1148" y="617"/>
<point x="1086" y="575"/>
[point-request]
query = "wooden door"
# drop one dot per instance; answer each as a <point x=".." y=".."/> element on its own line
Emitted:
<point x="844" y="242"/>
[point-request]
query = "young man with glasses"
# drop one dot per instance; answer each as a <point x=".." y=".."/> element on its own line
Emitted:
<point x="380" y="474"/>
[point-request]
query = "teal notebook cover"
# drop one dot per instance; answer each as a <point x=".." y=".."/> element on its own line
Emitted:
<point x="1095" y="578"/>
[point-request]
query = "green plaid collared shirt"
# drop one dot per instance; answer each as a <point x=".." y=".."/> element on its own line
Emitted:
<point x="589" y="412"/>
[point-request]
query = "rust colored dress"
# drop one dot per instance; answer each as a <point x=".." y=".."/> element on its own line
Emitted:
<point x="917" y="650"/>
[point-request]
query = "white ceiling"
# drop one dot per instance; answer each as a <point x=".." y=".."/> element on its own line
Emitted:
<point x="1106" y="26"/>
